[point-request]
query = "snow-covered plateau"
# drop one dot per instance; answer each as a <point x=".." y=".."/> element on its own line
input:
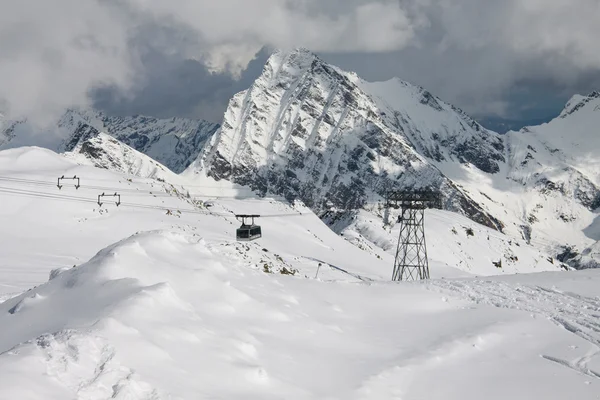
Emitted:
<point x="127" y="282"/>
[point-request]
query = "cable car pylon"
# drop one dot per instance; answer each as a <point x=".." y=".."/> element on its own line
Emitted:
<point x="247" y="232"/>
<point x="74" y="178"/>
<point x="410" y="263"/>
<point x="116" y="195"/>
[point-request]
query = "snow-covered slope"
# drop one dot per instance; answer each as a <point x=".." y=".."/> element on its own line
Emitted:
<point x="438" y="131"/>
<point x="151" y="196"/>
<point x="170" y="306"/>
<point x="562" y="159"/>
<point x="173" y="315"/>
<point x="30" y="198"/>
<point x="452" y="240"/>
<point x="562" y="155"/>
<point x="548" y="191"/>
<point x="307" y="130"/>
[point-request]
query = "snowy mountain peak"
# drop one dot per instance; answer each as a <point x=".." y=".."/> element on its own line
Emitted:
<point x="577" y="102"/>
<point x="306" y="129"/>
<point x="284" y="68"/>
<point x="300" y="57"/>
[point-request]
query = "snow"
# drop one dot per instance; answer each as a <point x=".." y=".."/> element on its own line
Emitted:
<point x="575" y="136"/>
<point x="549" y="183"/>
<point x="152" y="298"/>
<point x="311" y="130"/>
<point x="214" y="317"/>
<point x="453" y="242"/>
<point x="104" y="151"/>
<point x="79" y="227"/>
<point x="172" y="307"/>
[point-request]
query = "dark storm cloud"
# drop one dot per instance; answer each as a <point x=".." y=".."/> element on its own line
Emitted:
<point x="52" y="53"/>
<point x="178" y="87"/>
<point x="500" y="58"/>
<point x="187" y="57"/>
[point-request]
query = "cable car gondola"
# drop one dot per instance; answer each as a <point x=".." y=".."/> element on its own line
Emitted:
<point x="248" y="232"/>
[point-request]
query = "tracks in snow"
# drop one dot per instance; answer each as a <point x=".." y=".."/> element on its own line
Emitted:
<point x="578" y="314"/>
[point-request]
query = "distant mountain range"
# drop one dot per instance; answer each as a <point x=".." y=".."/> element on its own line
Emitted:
<point x="308" y="130"/>
<point x="174" y="142"/>
<point x="503" y="125"/>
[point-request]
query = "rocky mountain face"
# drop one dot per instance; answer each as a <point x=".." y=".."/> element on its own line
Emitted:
<point x="547" y="189"/>
<point x="438" y="131"/>
<point x="88" y="145"/>
<point x="562" y="156"/>
<point x="174" y="142"/>
<point x="308" y="130"/>
<point x="559" y="164"/>
<point x="6" y="130"/>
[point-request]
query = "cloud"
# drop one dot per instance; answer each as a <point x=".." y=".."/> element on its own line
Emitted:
<point x="489" y="57"/>
<point x="178" y="87"/>
<point x="521" y="41"/>
<point x="186" y="57"/>
<point x="230" y="32"/>
<point x="53" y="53"/>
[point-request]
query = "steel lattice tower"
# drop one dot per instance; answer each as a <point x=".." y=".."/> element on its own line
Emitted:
<point x="410" y="263"/>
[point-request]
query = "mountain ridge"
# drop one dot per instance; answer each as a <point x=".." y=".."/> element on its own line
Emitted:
<point x="306" y="129"/>
<point x="174" y="142"/>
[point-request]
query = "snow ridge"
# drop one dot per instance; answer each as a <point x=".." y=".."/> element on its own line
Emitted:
<point x="103" y="151"/>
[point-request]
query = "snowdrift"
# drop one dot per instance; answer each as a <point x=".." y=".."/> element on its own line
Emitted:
<point x="168" y="314"/>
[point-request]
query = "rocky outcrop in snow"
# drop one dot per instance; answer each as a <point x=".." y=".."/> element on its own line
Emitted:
<point x="7" y="128"/>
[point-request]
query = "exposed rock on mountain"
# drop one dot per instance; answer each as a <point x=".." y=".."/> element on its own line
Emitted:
<point x="174" y="142"/>
<point x="548" y="191"/>
<point x="7" y="129"/>
<point x="103" y="151"/>
<point x="308" y="130"/>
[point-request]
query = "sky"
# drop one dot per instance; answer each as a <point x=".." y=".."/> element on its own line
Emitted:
<point x="510" y="59"/>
